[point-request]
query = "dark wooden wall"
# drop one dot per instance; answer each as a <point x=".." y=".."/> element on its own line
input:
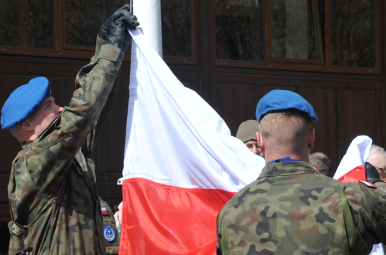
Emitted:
<point x="347" y="104"/>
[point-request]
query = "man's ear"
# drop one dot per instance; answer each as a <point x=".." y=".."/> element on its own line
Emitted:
<point x="260" y="142"/>
<point x="26" y="125"/>
<point x="311" y="139"/>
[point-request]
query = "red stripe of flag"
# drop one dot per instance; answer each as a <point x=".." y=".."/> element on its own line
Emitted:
<point x="163" y="219"/>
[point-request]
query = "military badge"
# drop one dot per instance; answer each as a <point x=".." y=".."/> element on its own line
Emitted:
<point x="104" y="210"/>
<point x="109" y="233"/>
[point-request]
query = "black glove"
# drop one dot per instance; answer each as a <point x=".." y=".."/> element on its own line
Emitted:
<point x="119" y="36"/>
<point x="372" y="174"/>
<point x="104" y="31"/>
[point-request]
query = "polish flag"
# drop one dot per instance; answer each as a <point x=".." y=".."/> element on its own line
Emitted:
<point x="104" y="210"/>
<point x="181" y="163"/>
<point x="351" y="167"/>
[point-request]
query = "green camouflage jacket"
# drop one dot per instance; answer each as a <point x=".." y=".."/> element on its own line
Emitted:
<point x="291" y="209"/>
<point x="54" y="204"/>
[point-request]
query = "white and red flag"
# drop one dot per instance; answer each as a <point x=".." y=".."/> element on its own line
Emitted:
<point x="181" y="163"/>
<point x="351" y="167"/>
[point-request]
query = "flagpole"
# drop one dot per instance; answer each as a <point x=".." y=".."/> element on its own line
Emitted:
<point x="148" y="13"/>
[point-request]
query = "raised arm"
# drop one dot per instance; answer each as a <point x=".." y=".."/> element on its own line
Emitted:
<point x="56" y="147"/>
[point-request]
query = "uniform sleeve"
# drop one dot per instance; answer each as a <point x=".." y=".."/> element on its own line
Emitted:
<point x="368" y="207"/>
<point x="97" y="127"/>
<point x="99" y="43"/>
<point x="53" y="151"/>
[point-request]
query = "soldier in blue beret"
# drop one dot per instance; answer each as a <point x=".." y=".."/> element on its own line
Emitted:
<point x="54" y="204"/>
<point x="290" y="208"/>
<point x="29" y="109"/>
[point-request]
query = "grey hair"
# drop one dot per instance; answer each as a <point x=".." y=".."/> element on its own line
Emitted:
<point x="375" y="149"/>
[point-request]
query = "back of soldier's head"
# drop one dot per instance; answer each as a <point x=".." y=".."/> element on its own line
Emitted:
<point x="287" y="130"/>
<point x="285" y="121"/>
<point x="321" y="163"/>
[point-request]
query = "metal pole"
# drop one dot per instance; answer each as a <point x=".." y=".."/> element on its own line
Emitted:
<point x="148" y="13"/>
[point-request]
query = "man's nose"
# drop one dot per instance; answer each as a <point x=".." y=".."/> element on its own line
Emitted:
<point x="60" y="109"/>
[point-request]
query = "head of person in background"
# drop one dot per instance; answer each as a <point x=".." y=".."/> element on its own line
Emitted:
<point x="247" y="134"/>
<point x="321" y="163"/>
<point x="377" y="158"/>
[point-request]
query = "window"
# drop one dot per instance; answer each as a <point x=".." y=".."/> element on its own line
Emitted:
<point x="306" y="35"/>
<point x="68" y="28"/>
<point x="83" y="18"/>
<point x="240" y="30"/>
<point x="293" y="30"/>
<point x="179" y="31"/>
<point x="27" y="23"/>
<point x="352" y="33"/>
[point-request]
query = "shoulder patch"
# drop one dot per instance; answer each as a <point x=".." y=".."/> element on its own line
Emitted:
<point x="368" y="184"/>
<point x="109" y="233"/>
<point x="104" y="210"/>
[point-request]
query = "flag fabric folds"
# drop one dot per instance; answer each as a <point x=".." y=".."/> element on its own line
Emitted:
<point x="181" y="163"/>
<point x="351" y="167"/>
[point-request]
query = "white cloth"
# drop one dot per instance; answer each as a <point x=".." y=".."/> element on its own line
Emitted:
<point x="174" y="137"/>
<point x="356" y="155"/>
<point x="377" y="250"/>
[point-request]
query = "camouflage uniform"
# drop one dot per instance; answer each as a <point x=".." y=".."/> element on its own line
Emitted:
<point x="291" y="209"/>
<point x="52" y="192"/>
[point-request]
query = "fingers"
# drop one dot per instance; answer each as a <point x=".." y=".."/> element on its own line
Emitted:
<point x="126" y="7"/>
<point x="123" y="11"/>
<point x="130" y="21"/>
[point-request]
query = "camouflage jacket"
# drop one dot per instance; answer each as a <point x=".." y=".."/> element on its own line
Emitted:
<point x="54" y="205"/>
<point x="291" y="209"/>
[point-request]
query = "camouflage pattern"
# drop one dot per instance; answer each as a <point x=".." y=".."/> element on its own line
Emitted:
<point x="54" y="204"/>
<point x="291" y="209"/>
<point x="109" y="220"/>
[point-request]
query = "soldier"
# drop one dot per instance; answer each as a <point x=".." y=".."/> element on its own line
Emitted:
<point x="247" y="134"/>
<point x="290" y="208"/>
<point x="54" y="204"/>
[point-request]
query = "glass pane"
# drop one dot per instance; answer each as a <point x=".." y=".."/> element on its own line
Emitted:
<point x="353" y="33"/>
<point x="176" y="28"/>
<point x="293" y="29"/>
<point x="240" y="30"/>
<point x="27" y="23"/>
<point x="85" y="17"/>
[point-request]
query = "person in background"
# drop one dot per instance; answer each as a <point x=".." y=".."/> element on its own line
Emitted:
<point x="321" y="163"/>
<point x="290" y="208"/>
<point x="247" y="134"/>
<point x="55" y="207"/>
<point x="377" y="158"/>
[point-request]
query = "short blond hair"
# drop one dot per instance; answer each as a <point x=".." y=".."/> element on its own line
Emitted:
<point x="285" y="131"/>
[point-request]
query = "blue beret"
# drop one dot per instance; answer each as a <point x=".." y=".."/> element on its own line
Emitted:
<point x="24" y="102"/>
<point x="279" y="100"/>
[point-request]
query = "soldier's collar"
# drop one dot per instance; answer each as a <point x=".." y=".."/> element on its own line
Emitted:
<point x="25" y="144"/>
<point x="287" y="168"/>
